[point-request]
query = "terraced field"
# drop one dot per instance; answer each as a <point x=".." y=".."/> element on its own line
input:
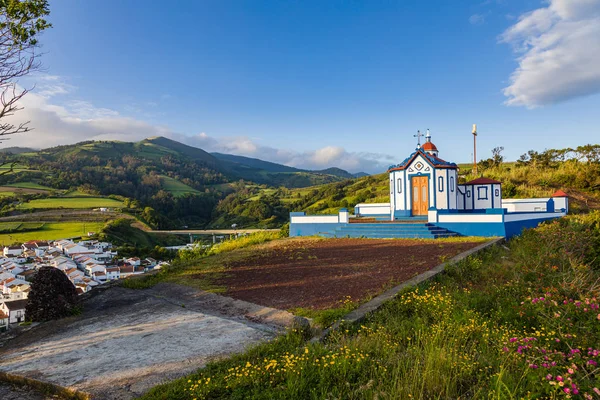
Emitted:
<point x="71" y="202"/>
<point x="51" y="231"/>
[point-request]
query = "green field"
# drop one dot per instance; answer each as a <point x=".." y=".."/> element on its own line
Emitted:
<point x="72" y="202"/>
<point x="175" y="187"/>
<point x="28" y="185"/>
<point x="51" y="231"/>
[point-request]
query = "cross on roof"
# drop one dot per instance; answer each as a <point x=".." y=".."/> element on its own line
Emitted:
<point x="419" y="135"/>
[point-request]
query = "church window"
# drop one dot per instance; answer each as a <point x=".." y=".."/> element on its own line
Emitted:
<point x="441" y="183"/>
<point x="391" y="186"/>
<point x="399" y="185"/>
<point x="497" y="192"/>
<point x="452" y="184"/>
<point x="482" y="193"/>
<point x="468" y="193"/>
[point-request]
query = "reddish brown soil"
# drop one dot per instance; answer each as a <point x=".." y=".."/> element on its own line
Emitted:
<point x="320" y="273"/>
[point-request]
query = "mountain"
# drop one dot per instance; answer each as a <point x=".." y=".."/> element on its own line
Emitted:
<point x="181" y="183"/>
<point x="336" y="172"/>
<point x="241" y="162"/>
<point x="360" y="174"/>
<point x="17" y="150"/>
<point x="243" y="165"/>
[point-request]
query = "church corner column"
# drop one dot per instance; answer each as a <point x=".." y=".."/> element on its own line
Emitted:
<point x="343" y="216"/>
<point x="432" y="215"/>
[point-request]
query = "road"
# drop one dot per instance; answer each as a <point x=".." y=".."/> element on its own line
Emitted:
<point x="215" y="231"/>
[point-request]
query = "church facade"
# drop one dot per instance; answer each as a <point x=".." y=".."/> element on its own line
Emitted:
<point x="421" y="181"/>
<point x="427" y="201"/>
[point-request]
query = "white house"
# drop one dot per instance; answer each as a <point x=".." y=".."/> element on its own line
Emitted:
<point x="74" y="274"/>
<point x="91" y="269"/>
<point x="15" y="310"/>
<point x="135" y="261"/>
<point x="13" y="250"/>
<point x="113" y="273"/>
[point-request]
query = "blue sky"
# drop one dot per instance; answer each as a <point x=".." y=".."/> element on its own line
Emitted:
<point x="320" y="83"/>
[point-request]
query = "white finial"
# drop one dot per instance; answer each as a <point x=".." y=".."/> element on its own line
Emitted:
<point x="428" y="136"/>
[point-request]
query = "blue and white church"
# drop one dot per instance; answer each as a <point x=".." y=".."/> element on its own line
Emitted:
<point x="426" y="201"/>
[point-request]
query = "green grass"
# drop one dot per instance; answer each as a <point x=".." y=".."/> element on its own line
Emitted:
<point x="175" y="187"/>
<point x="6" y="194"/>
<point x="210" y="262"/>
<point x="72" y="202"/>
<point x="481" y="330"/>
<point x="50" y="231"/>
<point x="29" y="185"/>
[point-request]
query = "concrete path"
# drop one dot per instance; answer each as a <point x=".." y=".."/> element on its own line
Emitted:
<point x="128" y="341"/>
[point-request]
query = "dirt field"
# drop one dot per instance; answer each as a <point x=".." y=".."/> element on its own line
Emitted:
<point x="319" y="274"/>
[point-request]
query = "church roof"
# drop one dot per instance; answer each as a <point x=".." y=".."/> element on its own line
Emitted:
<point x="428" y="146"/>
<point x="482" y="181"/>
<point x="435" y="162"/>
<point x="560" y="193"/>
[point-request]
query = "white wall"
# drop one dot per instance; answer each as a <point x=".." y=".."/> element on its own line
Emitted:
<point x="366" y="209"/>
<point x="311" y="219"/>
<point x="526" y="205"/>
<point x="441" y="177"/>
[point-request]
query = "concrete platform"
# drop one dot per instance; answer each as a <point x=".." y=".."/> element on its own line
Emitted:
<point x="128" y="341"/>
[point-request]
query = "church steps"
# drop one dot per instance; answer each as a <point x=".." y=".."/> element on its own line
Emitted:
<point x="383" y="231"/>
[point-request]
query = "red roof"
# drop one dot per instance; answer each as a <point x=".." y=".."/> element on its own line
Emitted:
<point x="560" y="193"/>
<point x="482" y="181"/>
<point x="428" y="146"/>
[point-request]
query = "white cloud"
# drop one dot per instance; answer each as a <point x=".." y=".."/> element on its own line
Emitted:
<point x="559" y="53"/>
<point x="477" y="19"/>
<point x="74" y="120"/>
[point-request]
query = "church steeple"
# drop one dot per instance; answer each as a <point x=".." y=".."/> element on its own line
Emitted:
<point x="429" y="147"/>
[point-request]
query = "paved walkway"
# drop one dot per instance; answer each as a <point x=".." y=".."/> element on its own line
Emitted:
<point x="128" y="341"/>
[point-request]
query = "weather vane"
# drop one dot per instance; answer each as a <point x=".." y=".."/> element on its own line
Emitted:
<point x="419" y="135"/>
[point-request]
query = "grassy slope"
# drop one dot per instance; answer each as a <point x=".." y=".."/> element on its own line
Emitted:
<point x="578" y="180"/>
<point x="28" y="185"/>
<point x="72" y="202"/>
<point x="482" y="330"/>
<point x="53" y="230"/>
<point x="175" y="187"/>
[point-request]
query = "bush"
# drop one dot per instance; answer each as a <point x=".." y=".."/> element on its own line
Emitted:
<point x="52" y="296"/>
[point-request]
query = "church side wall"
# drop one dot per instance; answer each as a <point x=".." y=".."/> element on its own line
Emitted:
<point x="442" y="191"/>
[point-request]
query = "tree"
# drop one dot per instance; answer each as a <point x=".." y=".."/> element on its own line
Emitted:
<point x="497" y="157"/>
<point x="52" y="296"/>
<point x="21" y="21"/>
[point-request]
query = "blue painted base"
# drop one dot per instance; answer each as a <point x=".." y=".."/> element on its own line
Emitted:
<point x="313" y="229"/>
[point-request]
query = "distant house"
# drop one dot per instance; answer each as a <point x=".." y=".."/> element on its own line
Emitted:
<point x="15" y="310"/>
<point x="91" y="269"/>
<point x="99" y="276"/>
<point x="126" y="270"/>
<point x="27" y="275"/>
<point x="113" y="273"/>
<point x="74" y="273"/>
<point x="135" y="261"/>
<point x="13" y="251"/>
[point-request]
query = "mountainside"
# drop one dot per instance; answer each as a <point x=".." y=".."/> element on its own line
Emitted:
<point x="242" y="162"/>
<point x="181" y="183"/>
<point x="16" y="150"/>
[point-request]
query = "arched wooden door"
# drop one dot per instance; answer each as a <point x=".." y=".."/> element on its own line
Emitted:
<point x="420" y="195"/>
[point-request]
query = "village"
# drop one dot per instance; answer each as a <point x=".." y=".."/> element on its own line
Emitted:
<point x="87" y="264"/>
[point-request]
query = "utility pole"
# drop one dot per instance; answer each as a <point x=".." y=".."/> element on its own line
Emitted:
<point x="474" y="149"/>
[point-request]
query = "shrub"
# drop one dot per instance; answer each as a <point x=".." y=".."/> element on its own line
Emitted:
<point x="52" y="296"/>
